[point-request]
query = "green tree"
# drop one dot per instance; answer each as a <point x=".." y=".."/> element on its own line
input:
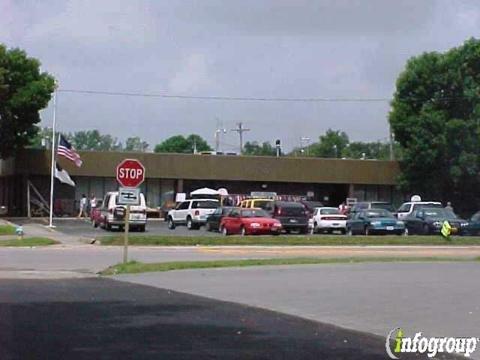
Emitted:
<point x="41" y="138"/>
<point x="136" y="144"/>
<point x="435" y="117"/>
<point x="181" y="144"/>
<point x="330" y="145"/>
<point x="93" y="140"/>
<point x="371" y="150"/>
<point x="255" y="149"/>
<point x="24" y="91"/>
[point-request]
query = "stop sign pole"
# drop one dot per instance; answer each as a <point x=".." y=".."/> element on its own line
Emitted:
<point x="130" y="174"/>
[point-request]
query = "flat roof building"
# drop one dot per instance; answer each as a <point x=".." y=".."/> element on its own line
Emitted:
<point x="328" y="180"/>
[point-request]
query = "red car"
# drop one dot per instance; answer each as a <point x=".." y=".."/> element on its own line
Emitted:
<point x="249" y="222"/>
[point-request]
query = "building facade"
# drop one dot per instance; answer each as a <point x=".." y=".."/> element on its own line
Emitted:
<point x="328" y="180"/>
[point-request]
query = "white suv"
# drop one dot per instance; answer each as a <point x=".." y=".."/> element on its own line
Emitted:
<point x="193" y="213"/>
<point x="112" y="214"/>
<point x="409" y="207"/>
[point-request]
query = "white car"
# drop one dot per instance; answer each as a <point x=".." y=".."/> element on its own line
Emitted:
<point x="193" y="213"/>
<point x="328" y="219"/>
<point x="409" y="207"/>
<point x="113" y="215"/>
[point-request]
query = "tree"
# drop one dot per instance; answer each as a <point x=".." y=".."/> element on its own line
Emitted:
<point x="180" y="144"/>
<point x="330" y="145"/>
<point x="368" y="150"/>
<point x="435" y="117"/>
<point x="24" y="91"/>
<point x="41" y="138"/>
<point x="93" y="140"/>
<point x="136" y="144"/>
<point x="255" y="149"/>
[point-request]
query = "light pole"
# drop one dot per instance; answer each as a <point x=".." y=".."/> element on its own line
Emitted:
<point x="304" y="142"/>
<point x="335" y="149"/>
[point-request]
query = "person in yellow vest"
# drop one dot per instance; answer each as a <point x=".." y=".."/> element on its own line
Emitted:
<point x="446" y="230"/>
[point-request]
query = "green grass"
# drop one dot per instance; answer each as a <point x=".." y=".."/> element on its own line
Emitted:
<point x="135" y="267"/>
<point x="33" y="241"/>
<point x="172" y="240"/>
<point x="7" y="230"/>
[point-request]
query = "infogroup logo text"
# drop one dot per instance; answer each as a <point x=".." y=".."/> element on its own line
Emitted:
<point x="431" y="346"/>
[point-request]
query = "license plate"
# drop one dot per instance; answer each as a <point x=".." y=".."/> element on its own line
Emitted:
<point x="293" y="220"/>
<point x="335" y="224"/>
<point x="390" y="228"/>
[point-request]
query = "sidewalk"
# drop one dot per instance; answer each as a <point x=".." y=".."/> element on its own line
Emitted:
<point x="39" y="230"/>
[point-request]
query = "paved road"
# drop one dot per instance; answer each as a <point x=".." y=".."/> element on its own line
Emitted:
<point x="439" y="299"/>
<point x="105" y="319"/>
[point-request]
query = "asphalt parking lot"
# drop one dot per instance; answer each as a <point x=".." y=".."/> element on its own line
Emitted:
<point x="107" y="319"/>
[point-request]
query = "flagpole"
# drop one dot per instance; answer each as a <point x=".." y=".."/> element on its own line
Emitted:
<point x="52" y="175"/>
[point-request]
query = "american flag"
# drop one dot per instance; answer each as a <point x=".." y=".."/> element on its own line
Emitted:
<point x="66" y="149"/>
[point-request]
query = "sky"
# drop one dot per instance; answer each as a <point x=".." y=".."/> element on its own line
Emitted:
<point x="325" y="49"/>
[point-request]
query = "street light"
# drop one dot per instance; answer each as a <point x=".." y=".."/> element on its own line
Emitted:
<point x="336" y="150"/>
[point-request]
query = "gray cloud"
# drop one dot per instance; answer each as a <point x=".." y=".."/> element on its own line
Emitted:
<point x="236" y="48"/>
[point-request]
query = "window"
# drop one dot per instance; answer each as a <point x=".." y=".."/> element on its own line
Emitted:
<point x="331" y="211"/>
<point x="183" y="205"/>
<point x="404" y="208"/>
<point x="204" y="204"/>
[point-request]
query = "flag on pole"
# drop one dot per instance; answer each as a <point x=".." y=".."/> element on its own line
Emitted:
<point x="63" y="176"/>
<point x="66" y="150"/>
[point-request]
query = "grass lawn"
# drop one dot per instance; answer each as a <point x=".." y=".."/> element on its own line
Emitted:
<point x="135" y="267"/>
<point x="32" y="241"/>
<point x="7" y="230"/>
<point x="171" y="240"/>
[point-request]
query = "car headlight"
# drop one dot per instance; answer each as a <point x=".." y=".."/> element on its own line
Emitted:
<point x="437" y="223"/>
<point x="254" y="225"/>
<point x="464" y="224"/>
<point x="400" y="223"/>
<point x="376" y="223"/>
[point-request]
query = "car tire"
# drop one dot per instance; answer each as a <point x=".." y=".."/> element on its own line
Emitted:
<point x="141" y="228"/>
<point x="170" y="223"/>
<point x="243" y="231"/>
<point x="315" y="228"/>
<point x="224" y="230"/>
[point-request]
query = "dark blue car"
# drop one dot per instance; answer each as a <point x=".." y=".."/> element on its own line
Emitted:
<point x="374" y="221"/>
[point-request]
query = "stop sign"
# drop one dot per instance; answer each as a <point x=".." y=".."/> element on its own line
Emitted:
<point x="130" y="173"/>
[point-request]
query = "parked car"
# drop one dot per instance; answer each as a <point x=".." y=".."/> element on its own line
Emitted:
<point x="265" y="204"/>
<point x="292" y="215"/>
<point x="213" y="220"/>
<point x="473" y="227"/>
<point x="192" y="212"/>
<point x="364" y="205"/>
<point x="249" y="222"/>
<point x="374" y="221"/>
<point x="328" y="219"/>
<point x="310" y="206"/>
<point x="113" y="215"/>
<point x="427" y="221"/>
<point x="409" y="207"/>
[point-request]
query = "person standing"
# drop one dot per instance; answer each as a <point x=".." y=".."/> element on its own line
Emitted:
<point x="83" y="207"/>
<point x="449" y="206"/>
<point x="93" y="203"/>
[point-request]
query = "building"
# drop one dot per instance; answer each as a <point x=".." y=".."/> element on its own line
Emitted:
<point x="328" y="180"/>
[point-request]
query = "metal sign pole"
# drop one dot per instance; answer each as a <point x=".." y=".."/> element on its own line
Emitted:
<point x="125" y="243"/>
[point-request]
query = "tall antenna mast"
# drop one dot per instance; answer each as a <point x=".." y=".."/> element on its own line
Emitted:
<point x="240" y="130"/>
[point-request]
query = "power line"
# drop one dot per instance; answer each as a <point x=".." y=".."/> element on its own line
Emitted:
<point x="224" y="98"/>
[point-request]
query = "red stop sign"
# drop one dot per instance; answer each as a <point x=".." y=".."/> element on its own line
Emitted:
<point x="130" y="173"/>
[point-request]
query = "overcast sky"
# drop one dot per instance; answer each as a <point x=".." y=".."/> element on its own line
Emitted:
<point x="247" y="48"/>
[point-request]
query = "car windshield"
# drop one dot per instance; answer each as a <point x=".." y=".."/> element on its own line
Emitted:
<point x="385" y="206"/>
<point x="378" y="213"/>
<point x="254" y="213"/>
<point x="329" y="211"/>
<point x="439" y="213"/>
<point x="292" y="210"/>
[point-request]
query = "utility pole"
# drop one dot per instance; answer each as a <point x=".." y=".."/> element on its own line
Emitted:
<point x="217" y="138"/>
<point x="240" y="130"/>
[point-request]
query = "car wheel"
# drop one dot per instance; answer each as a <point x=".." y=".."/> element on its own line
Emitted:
<point x="315" y="228"/>
<point x="141" y="228"/>
<point x="243" y="232"/>
<point x="171" y="223"/>
<point x="224" y="231"/>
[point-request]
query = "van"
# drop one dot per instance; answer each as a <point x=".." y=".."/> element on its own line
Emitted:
<point x="265" y="204"/>
<point x="292" y="215"/>
<point x="113" y="215"/>
<point x="409" y="207"/>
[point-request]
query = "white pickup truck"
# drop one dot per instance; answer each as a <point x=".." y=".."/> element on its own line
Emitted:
<point x="193" y="213"/>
